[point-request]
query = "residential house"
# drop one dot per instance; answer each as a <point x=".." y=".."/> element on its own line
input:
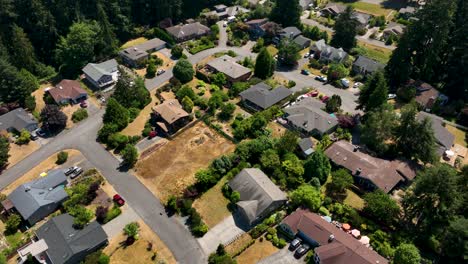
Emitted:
<point x="170" y="116"/>
<point x="326" y="53"/>
<point x="188" y="31"/>
<point x="68" y="92"/>
<point x="368" y="171"/>
<point x="306" y="146"/>
<point x="261" y="96"/>
<point x="302" y="42"/>
<point x="256" y="28"/>
<point x="67" y="245"/>
<point x="135" y="56"/>
<point x="365" y="66"/>
<point x="39" y="198"/>
<point x="226" y="64"/>
<point x="333" y="9"/>
<point x="306" y="4"/>
<point x="308" y="117"/>
<point x="224" y="12"/>
<point x="330" y="244"/>
<point x="444" y="139"/>
<point x="17" y="120"/>
<point x="102" y="75"/>
<point x="407" y="12"/>
<point x="290" y="32"/>
<point x="427" y="95"/>
<point x="362" y="19"/>
<point x="259" y="196"/>
<point x="393" y="30"/>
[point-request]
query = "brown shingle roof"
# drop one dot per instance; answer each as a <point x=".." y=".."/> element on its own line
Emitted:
<point x="66" y="90"/>
<point x="384" y="174"/>
<point x="170" y="111"/>
<point x="426" y="95"/>
<point x="343" y="249"/>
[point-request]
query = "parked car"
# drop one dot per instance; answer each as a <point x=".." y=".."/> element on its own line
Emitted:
<point x="321" y="78"/>
<point x="314" y="94"/>
<point x="345" y="82"/>
<point x="40" y="132"/>
<point x="357" y="85"/>
<point x="70" y="170"/>
<point x="295" y="244"/>
<point x="33" y="135"/>
<point x="302" y="250"/>
<point x="305" y="72"/>
<point x="76" y="173"/>
<point x="391" y="96"/>
<point x="83" y="104"/>
<point x="160" y="71"/>
<point x="118" y="200"/>
<point x="307" y="55"/>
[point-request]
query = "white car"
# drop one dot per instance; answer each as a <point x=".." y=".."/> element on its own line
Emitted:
<point x="345" y="82"/>
<point x="357" y="84"/>
<point x="159" y="72"/>
<point x="391" y="96"/>
<point x="225" y="24"/>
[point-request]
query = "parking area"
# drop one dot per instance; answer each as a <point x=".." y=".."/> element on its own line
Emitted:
<point x="284" y="256"/>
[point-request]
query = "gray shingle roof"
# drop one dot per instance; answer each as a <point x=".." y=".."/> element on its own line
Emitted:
<point x="290" y="32"/>
<point x="97" y="70"/>
<point x="362" y="18"/>
<point x="65" y="242"/>
<point x="17" y="119"/>
<point x="306" y="145"/>
<point x="263" y="96"/>
<point x="181" y="31"/>
<point x="257" y="192"/>
<point x="367" y="64"/>
<point x="329" y="52"/>
<point x="228" y="65"/>
<point x="140" y="51"/>
<point x="301" y="40"/>
<point x="308" y="115"/>
<point x="444" y="138"/>
<point x="31" y="196"/>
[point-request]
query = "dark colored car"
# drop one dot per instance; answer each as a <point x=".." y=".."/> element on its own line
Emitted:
<point x="325" y="99"/>
<point x="40" y="133"/>
<point x="83" y="104"/>
<point x="302" y="251"/>
<point x="305" y="72"/>
<point x="118" y="199"/>
<point x="295" y="244"/>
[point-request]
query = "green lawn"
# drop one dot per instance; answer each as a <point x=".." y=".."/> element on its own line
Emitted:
<point x="212" y="205"/>
<point x="15" y="240"/>
<point x="373" y="9"/>
<point x="459" y="135"/>
<point x="353" y="200"/>
<point x="272" y="50"/>
<point x="374" y="52"/>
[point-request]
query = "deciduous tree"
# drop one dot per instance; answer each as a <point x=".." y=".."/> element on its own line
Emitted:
<point x="381" y="206"/>
<point x="183" y="71"/>
<point x="53" y="120"/>
<point x="317" y="165"/>
<point x="306" y="195"/>
<point x="406" y="254"/>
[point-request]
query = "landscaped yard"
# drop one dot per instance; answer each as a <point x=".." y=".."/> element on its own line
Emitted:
<point x="256" y="252"/>
<point x="138" y="253"/>
<point x="374" y="52"/>
<point x="459" y="134"/>
<point x="171" y="168"/>
<point x="353" y="200"/>
<point x="136" y="127"/>
<point x="212" y="205"/>
<point x="134" y="42"/>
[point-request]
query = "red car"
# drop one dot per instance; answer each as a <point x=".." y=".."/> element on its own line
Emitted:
<point x="118" y="199"/>
<point x="314" y="94"/>
<point x="83" y="104"/>
<point x="325" y="99"/>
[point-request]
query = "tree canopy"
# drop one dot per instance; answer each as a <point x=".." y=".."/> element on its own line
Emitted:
<point x="374" y="92"/>
<point x="286" y="13"/>
<point x="264" y="65"/>
<point x="345" y="31"/>
<point x="183" y="71"/>
<point x="317" y="165"/>
<point x="306" y="195"/>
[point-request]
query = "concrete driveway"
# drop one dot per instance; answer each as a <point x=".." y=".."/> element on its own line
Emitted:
<point x="223" y="233"/>
<point x="284" y="256"/>
<point x="116" y="225"/>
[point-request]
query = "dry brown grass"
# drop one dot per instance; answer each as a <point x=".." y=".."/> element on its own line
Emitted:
<point x="276" y="129"/>
<point x="138" y="253"/>
<point x="212" y="205"/>
<point x="171" y="168"/>
<point x="135" y="128"/>
<point x="167" y="62"/>
<point x="238" y="244"/>
<point x="68" y="111"/>
<point x="134" y="42"/>
<point x="459" y="135"/>
<point x="39" y="95"/>
<point x="19" y="152"/>
<point x="256" y="252"/>
<point x="44" y="166"/>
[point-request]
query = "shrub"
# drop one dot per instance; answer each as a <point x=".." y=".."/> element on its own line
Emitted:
<point x="12" y="224"/>
<point x="133" y="113"/>
<point x="24" y="137"/>
<point x="198" y="113"/>
<point x="199" y="230"/>
<point x="79" y="115"/>
<point x="291" y="84"/>
<point x="101" y="213"/>
<point x="131" y="230"/>
<point x="62" y="157"/>
<point x="112" y="213"/>
<point x="103" y="259"/>
<point x="269" y="237"/>
<point x="271" y="231"/>
<point x="171" y="204"/>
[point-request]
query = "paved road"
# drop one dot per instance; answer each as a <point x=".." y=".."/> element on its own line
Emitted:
<point x="183" y="245"/>
<point x="222" y="42"/>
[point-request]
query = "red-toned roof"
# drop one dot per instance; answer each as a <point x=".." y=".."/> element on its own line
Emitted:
<point x="343" y="249"/>
<point x="66" y="90"/>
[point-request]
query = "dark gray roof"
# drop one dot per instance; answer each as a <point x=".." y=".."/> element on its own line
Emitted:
<point x="444" y="138"/>
<point x="308" y="115"/>
<point x="228" y="65"/>
<point x="306" y="145"/>
<point x="329" y="52"/>
<point x="305" y="3"/>
<point x="301" y="40"/>
<point x="31" y="196"/>
<point x="181" y="31"/>
<point x="17" y="119"/>
<point x="140" y="51"/>
<point x="263" y="96"/>
<point x="290" y="32"/>
<point x="257" y="192"/>
<point x="65" y="242"/>
<point x="96" y="70"/>
<point x="362" y="18"/>
<point x="368" y="64"/>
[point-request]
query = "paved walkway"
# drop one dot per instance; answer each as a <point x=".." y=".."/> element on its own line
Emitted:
<point x="116" y="225"/>
<point x="223" y="233"/>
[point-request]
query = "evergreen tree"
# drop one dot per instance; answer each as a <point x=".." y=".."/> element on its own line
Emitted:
<point x="264" y="65"/>
<point x="4" y="149"/>
<point x="286" y="13"/>
<point x="345" y="30"/>
<point x="107" y="44"/>
<point x="317" y="165"/>
<point x="15" y="86"/>
<point x="22" y="52"/>
<point x="378" y="129"/>
<point x="131" y="92"/>
<point x="374" y="93"/>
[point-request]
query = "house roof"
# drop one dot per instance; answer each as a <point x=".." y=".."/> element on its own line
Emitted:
<point x="362" y="18"/>
<point x="228" y="11"/>
<point x="444" y="138"/>
<point x="17" y="119"/>
<point x="170" y="110"/>
<point x="395" y="28"/>
<point x="259" y="21"/>
<point x="306" y="145"/>
<point x="334" y="8"/>
<point x="305" y="3"/>
<point x="385" y="174"/>
<point x="140" y="51"/>
<point x="96" y="70"/>
<point x="328" y="51"/>
<point x="367" y="64"/>
<point x="309" y="116"/>
<point x="407" y="10"/>
<point x="180" y="31"/>
<point x="228" y="65"/>
<point x="263" y="96"/>
<point x="342" y="249"/>
<point x="301" y="40"/>
<point x="290" y="32"/>
<point x="257" y="192"/>
<point x="30" y="197"/>
<point x="425" y="93"/>
<point x="64" y="241"/>
<point x="67" y="90"/>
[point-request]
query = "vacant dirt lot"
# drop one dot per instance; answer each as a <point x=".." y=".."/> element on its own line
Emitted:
<point x="171" y="168"/>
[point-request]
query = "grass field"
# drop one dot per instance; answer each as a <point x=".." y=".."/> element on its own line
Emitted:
<point x="171" y="168"/>
<point x="374" y="52"/>
<point x="212" y="205"/>
<point x="133" y="42"/>
<point x="136" y="127"/>
<point x="373" y="9"/>
<point x="459" y="134"/>
<point x="259" y="250"/>
<point x="353" y="200"/>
